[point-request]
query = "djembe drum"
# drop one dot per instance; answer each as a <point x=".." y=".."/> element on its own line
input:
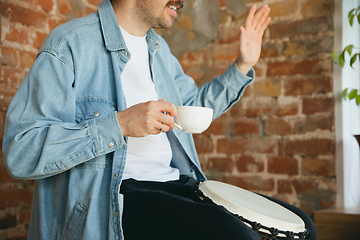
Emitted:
<point x="269" y="219"/>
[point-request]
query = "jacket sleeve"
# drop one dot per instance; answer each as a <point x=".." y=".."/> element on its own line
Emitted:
<point x="41" y="136"/>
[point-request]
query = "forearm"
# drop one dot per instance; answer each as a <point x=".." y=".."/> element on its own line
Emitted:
<point x="223" y="91"/>
<point x="45" y="149"/>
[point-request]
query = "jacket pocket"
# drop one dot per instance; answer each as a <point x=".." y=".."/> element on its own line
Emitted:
<point x="76" y="224"/>
<point x="89" y="108"/>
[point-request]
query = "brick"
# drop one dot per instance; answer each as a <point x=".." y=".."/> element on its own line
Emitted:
<point x="220" y="164"/>
<point x="203" y="144"/>
<point x="302" y="186"/>
<point x="193" y="58"/>
<point x="222" y="3"/>
<point x="235" y="146"/>
<point x="318" y="105"/>
<point x="257" y="144"/>
<point x="24" y="215"/>
<point x="257" y="108"/>
<point x="27" y="59"/>
<point x="246" y="126"/>
<point x="4" y="175"/>
<point x="218" y="67"/>
<point x="226" y="52"/>
<point x="229" y="34"/>
<point x="308" y="86"/>
<point x="224" y="18"/>
<point x="25" y="16"/>
<point x="285" y="8"/>
<point x="55" y="21"/>
<point x="312" y="123"/>
<point x="284" y="186"/>
<point x="8" y="56"/>
<point x="317" y="8"/>
<point x="287" y="110"/>
<point x="40" y="37"/>
<point x="185" y="22"/>
<point x="8" y="221"/>
<point x="310" y="147"/>
<point x="217" y="127"/>
<point x="268" y="88"/>
<point x="251" y="183"/>
<point x="247" y="163"/>
<point x="277" y="126"/>
<point x="17" y="34"/>
<point x="94" y="2"/>
<point x="312" y="26"/>
<point x="240" y="145"/>
<point x="283" y="165"/>
<point x="6" y="97"/>
<point x="12" y="78"/>
<point x="196" y="72"/>
<point x="64" y="6"/>
<point x="2" y="126"/>
<point x="87" y="10"/>
<point x="318" y="167"/>
<point x="47" y="5"/>
<point x="308" y="46"/>
<point x="203" y="162"/>
<point x="269" y="50"/>
<point x="315" y="66"/>
<point x="259" y="72"/>
<point x="19" y="233"/>
<point x="71" y="8"/>
<point x="237" y="109"/>
<point x="15" y="198"/>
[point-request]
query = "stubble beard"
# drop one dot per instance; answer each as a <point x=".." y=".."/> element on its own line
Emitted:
<point x="156" y="20"/>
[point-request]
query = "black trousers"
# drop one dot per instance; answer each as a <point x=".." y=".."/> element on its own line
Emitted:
<point x="171" y="211"/>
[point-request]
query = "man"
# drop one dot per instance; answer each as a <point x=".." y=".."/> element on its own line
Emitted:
<point x="87" y="124"/>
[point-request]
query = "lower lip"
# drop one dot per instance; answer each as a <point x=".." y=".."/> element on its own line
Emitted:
<point x="173" y="11"/>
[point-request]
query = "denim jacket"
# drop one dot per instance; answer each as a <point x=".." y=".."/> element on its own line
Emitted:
<point x="62" y="129"/>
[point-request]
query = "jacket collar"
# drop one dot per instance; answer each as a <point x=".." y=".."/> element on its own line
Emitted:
<point x="113" y="38"/>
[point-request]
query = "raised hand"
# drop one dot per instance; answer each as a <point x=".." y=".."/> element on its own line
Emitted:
<point x="251" y="37"/>
<point x="147" y="118"/>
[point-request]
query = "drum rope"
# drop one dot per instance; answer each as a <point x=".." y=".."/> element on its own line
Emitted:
<point x="274" y="232"/>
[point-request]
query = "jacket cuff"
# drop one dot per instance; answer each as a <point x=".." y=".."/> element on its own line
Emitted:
<point x="106" y="134"/>
<point x="235" y="79"/>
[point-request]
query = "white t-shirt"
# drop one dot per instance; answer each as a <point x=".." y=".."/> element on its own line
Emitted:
<point x="148" y="158"/>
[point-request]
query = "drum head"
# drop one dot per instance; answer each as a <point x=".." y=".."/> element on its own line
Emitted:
<point x="252" y="206"/>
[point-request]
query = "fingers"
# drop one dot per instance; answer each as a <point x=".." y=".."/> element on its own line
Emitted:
<point x="147" y="118"/>
<point x="250" y="17"/>
<point x="164" y="115"/>
<point x="258" y="20"/>
<point x="263" y="19"/>
<point x="167" y="107"/>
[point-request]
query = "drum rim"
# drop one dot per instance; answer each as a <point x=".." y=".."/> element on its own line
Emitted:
<point x="248" y="213"/>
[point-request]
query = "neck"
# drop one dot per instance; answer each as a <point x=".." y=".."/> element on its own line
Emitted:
<point x="127" y="19"/>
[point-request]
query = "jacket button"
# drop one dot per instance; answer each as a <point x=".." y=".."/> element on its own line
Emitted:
<point x="96" y="114"/>
<point x="125" y="53"/>
<point x="156" y="44"/>
<point x="110" y="144"/>
<point x="116" y="213"/>
<point x="116" y="175"/>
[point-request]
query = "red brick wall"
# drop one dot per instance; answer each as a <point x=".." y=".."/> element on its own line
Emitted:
<point x="278" y="140"/>
<point x="24" y="26"/>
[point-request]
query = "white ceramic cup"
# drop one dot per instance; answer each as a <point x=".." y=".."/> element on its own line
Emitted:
<point x="191" y="119"/>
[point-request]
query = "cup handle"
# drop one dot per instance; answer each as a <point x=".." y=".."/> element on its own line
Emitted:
<point x="178" y="126"/>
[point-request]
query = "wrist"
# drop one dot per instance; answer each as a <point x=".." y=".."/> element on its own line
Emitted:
<point x="244" y="68"/>
<point x="122" y="126"/>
